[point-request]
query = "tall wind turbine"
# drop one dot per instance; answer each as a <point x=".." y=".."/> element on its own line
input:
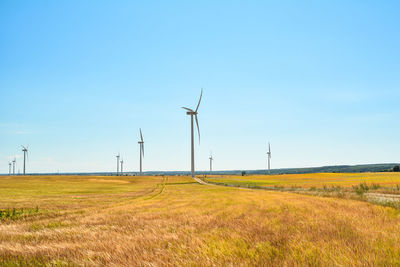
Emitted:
<point x="122" y="166"/>
<point x="141" y="144"/>
<point x="9" y="168"/>
<point x="13" y="162"/>
<point x="269" y="158"/>
<point x="194" y="113"/>
<point x="117" y="156"/>
<point x="25" y="150"/>
<point x="211" y="160"/>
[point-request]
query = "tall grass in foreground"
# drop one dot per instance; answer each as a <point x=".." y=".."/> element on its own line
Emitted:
<point x="156" y="221"/>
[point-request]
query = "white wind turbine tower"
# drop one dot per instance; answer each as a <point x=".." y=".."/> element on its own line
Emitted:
<point x="269" y="158"/>
<point x="141" y="145"/>
<point x="211" y="160"/>
<point x="117" y="156"/>
<point x="13" y="162"/>
<point x="9" y="168"/>
<point x="25" y="150"/>
<point x="192" y="113"/>
<point x="122" y="166"/>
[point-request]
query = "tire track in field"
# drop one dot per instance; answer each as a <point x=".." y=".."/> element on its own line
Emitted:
<point x="164" y="181"/>
<point x="201" y="181"/>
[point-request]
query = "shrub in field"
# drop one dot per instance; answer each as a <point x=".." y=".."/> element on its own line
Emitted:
<point x="337" y="188"/>
<point x="294" y="187"/>
<point x="375" y="186"/>
<point x="279" y="187"/>
<point x="15" y="214"/>
<point x="396" y="168"/>
<point x="361" y="188"/>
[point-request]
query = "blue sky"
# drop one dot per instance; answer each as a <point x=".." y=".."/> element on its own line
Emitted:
<point x="318" y="79"/>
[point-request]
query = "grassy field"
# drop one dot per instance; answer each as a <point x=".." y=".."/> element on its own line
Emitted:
<point x="311" y="180"/>
<point x="157" y="221"/>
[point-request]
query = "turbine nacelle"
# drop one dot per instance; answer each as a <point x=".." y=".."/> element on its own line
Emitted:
<point x="190" y="111"/>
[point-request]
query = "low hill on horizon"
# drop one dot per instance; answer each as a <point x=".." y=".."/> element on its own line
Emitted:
<point x="384" y="167"/>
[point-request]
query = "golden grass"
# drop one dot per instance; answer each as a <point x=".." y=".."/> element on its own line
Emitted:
<point x="109" y="181"/>
<point x="157" y="221"/>
<point x="310" y="179"/>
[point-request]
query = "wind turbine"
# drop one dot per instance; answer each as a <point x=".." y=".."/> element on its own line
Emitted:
<point x="141" y="145"/>
<point x="269" y="158"/>
<point x="25" y="150"/>
<point x="117" y="156"/>
<point x="13" y="162"/>
<point x="122" y="166"/>
<point x="211" y="159"/>
<point x="9" y="168"/>
<point x="194" y="113"/>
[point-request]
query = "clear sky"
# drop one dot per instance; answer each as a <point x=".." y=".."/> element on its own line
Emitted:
<point x="320" y="80"/>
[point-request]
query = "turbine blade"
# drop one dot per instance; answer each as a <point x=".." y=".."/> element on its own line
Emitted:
<point x="141" y="136"/>
<point x="269" y="148"/>
<point x="201" y="94"/>
<point x="188" y="109"/>
<point x="198" y="128"/>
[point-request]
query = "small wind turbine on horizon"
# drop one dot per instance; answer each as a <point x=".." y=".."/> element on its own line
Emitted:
<point x="194" y="113"/>
<point x="269" y="158"/>
<point x="117" y="156"/>
<point x="9" y="167"/>
<point x="211" y="160"/>
<point x="13" y="162"/>
<point x="122" y="166"/>
<point x="25" y="150"/>
<point x="141" y="153"/>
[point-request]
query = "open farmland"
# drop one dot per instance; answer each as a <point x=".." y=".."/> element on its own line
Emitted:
<point x="89" y="220"/>
<point x="309" y="180"/>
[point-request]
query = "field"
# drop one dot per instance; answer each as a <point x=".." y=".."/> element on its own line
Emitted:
<point x="157" y="221"/>
<point x="311" y="179"/>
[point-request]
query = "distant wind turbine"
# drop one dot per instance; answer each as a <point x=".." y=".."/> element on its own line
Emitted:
<point x="211" y="160"/>
<point x="141" y="145"/>
<point x="269" y="158"/>
<point x="9" y="168"/>
<point x="122" y="166"/>
<point x="25" y="150"/>
<point x="13" y="162"/>
<point x="192" y="113"/>
<point x="117" y="156"/>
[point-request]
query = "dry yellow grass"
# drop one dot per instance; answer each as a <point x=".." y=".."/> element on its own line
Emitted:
<point x="311" y="179"/>
<point x="157" y="221"/>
